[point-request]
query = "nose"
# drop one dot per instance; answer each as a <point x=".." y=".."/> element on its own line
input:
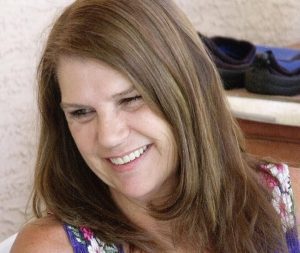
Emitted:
<point x="112" y="130"/>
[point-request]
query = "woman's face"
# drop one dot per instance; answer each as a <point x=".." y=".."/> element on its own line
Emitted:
<point x="122" y="140"/>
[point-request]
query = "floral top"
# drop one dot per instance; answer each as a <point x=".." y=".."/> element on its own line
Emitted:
<point x="277" y="178"/>
<point x="83" y="241"/>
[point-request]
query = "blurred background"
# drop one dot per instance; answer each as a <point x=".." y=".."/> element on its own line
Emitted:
<point x="24" y="25"/>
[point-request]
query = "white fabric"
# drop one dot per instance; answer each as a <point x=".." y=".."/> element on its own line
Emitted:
<point x="6" y="244"/>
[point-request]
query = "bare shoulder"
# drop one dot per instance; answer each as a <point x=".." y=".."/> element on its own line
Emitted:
<point x="295" y="179"/>
<point x="45" y="235"/>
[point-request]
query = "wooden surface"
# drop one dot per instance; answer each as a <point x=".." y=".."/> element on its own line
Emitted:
<point x="245" y="94"/>
<point x="279" y="142"/>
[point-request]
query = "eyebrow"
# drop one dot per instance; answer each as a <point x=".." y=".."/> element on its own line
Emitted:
<point x="117" y="95"/>
<point x="125" y="92"/>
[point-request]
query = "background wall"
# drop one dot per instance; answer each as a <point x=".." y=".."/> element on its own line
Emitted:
<point x="24" y="25"/>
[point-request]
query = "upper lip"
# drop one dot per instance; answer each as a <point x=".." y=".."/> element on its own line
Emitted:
<point x="125" y="153"/>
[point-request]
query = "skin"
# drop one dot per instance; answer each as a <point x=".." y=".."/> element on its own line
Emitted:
<point x="108" y="127"/>
<point x="295" y="179"/>
<point x="109" y="119"/>
<point x="34" y="237"/>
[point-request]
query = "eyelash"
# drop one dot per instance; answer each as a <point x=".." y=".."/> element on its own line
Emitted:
<point x="80" y="113"/>
<point x="84" y="112"/>
<point x="130" y="99"/>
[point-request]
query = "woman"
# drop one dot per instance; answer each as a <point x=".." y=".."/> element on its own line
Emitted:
<point x="138" y="150"/>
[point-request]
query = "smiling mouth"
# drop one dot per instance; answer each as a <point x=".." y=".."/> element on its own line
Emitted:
<point x="130" y="157"/>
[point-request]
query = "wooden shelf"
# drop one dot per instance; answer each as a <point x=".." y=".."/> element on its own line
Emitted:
<point x="265" y="137"/>
<point x="279" y="142"/>
<point x="269" y="133"/>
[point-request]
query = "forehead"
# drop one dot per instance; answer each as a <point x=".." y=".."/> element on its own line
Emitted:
<point x="89" y="77"/>
<point x="85" y="68"/>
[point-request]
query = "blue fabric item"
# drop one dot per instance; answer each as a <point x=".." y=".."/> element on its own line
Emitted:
<point x="121" y="249"/>
<point x="290" y="65"/>
<point x="82" y="244"/>
<point x="281" y="53"/>
<point x="78" y="247"/>
<point x="81" y="247"/>
<point x="292" y="241"/>
<point x="286" y="57"/>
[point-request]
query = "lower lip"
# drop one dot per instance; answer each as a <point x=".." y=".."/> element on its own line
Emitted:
<point x="130" y="165"/>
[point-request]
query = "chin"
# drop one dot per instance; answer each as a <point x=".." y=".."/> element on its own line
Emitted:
<point x="138" y="193"/>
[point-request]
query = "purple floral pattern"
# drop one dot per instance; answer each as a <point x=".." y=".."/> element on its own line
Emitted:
<point x="277" y="178"/>
<point x="84" y="240"/>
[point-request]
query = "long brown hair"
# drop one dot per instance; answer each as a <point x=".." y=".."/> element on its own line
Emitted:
<point x="218" y="202"/>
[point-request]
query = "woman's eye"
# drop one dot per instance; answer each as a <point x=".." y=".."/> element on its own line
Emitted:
<point x="130" y="99"/>
<point x="80" y="113"/>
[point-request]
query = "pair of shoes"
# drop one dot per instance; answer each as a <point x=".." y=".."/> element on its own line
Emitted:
<point x="260" y="69"/>
<point x="233" y="58"/>
<point x="270" y="78"/>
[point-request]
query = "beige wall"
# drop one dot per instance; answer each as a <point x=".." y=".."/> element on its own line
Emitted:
<point x="23" y="27"/>
<point x="271" y="22"/>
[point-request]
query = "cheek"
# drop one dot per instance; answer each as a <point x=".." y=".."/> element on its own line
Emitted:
<point x="82" y="137"/>
<point x="161" y="132"/>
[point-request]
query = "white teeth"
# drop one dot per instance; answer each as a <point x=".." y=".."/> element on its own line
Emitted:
<point x="119" y="161"/>
<point x="130" y="157"/>
<point x="137" y="153"/>
<point x="126" y="159"/>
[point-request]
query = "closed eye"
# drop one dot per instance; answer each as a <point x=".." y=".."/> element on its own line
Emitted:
<point x="130" y="100"/>
<point x="81" y="113"/>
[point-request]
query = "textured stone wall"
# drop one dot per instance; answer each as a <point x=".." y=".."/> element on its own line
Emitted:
<point x="23" y="27"/>
<point x="271" y="22"/>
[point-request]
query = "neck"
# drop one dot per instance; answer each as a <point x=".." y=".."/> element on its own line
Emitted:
<point x="137" y="209"/>
<point x="138" y="212"/>
<point x="161" y="231"/>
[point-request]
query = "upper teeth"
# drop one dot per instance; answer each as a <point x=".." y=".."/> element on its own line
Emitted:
<point x="130" y="157"/>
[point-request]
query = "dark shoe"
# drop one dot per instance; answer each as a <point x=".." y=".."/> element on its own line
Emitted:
<point x="232" y="57"/>
<point x="269" y="77"/>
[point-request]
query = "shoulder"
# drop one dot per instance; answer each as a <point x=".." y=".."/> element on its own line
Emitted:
<point x="45" y="235"/>
<point x="295" y="179"/>
<point x="278" y="179"/>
